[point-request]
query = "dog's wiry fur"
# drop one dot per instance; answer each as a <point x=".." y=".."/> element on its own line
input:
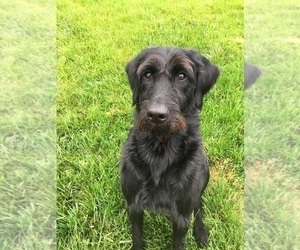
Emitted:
<point x="163" y="166"/>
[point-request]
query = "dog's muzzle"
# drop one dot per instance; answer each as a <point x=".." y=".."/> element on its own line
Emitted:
<point x="158" y="120"/>
<point x="157" y="113"/>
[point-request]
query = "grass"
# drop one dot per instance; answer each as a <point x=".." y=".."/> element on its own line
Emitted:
<point x="94" y="113"/>
<point x="272" y="127"/>
<point x="27" y="125"/>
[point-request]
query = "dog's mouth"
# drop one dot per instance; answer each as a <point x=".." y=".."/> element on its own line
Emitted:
<point x="162" y="131"/>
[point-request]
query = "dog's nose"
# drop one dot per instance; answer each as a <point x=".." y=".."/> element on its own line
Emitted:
<point x="158" y="114"/>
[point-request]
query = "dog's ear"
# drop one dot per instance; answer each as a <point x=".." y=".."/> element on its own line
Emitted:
<point x="131" y="70"/>
<point x="251" y="73"/>
<point x="206" y="76"/>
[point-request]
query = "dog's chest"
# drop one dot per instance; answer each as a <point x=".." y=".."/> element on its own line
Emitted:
<point x="158" y="197"/>
<point x="163" y="166"/>
<point x="159" y="156"/>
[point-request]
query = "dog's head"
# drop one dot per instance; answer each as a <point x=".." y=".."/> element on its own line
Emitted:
<point x="181" y="65"/>
<point x="168" y="84"/>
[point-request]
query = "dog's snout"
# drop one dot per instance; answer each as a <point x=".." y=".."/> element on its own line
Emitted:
<point x="158" y="113"/>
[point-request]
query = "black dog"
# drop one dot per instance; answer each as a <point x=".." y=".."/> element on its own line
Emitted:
<point x="163" y="165"/>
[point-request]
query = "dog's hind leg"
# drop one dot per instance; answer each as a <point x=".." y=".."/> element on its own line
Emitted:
<point x="199" y="230"/>
<point x="136" y="219"/>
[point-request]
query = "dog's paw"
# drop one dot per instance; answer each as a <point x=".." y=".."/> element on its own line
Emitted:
<point x="201" y="237"/>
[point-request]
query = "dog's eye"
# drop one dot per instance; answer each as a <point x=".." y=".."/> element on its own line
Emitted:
<point x="148" y="75"/>
<point x="181" y="76"/>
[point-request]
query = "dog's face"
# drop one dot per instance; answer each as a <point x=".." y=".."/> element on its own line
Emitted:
<point x="168" y="83"/>
<point x="186" y="68"/>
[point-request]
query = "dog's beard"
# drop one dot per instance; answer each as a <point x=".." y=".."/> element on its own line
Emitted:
<point x="162" y="131"/>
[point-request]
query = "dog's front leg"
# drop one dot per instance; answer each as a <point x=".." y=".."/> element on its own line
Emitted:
<point x="136" y="218"/>
<point x="180" y="228"/>
<point x="200" y="231"/>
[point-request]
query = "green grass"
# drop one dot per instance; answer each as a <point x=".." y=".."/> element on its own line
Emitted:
<point x="27" y="125"/>
<point x="272" y="118"/>
<point x="94" y="113"/>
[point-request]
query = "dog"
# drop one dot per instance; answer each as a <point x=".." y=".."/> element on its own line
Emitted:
<point x="163" y="165"/>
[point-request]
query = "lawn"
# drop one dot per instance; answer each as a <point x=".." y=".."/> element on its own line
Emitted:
<point x="27" y="125"/>
<point x="272" y="132"/>
<point x="95" y="39"/>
